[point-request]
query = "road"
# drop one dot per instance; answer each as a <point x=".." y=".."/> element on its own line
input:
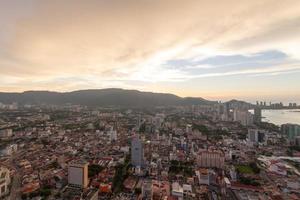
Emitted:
<point x="265" y="176"/>
<point x="216" y="190"/>
<point x="15" y="193"/>
<point x="15" y="188"/>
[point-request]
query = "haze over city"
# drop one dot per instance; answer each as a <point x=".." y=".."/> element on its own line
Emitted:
<point x="149" y="99"/>
<point x="217" y="50"/>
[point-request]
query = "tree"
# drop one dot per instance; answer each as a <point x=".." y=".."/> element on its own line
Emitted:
<point x="94" y="170"/>
<point x="45" y="192"/>
<point x="137" y="191"/>
<point x="254" y="167"/>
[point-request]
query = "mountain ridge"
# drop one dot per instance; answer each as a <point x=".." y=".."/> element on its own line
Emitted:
<point x="101" y="97"/>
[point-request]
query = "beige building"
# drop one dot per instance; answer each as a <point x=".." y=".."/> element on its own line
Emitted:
<point x="78" y="174"/>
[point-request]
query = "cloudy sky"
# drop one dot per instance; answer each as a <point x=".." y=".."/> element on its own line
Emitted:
<point x="215" y="49"/>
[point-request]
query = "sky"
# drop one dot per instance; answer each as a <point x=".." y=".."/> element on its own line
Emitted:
<point x="219" y="50"/>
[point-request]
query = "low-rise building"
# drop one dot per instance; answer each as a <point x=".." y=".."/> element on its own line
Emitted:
<point x="177" y="190"/>
<point x="211" y="159"/>
<point x="203" y="176"/>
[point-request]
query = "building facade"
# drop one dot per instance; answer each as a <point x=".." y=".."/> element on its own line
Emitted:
<point x="137" y="152"/>
<point x="78" y="174"/>
<point x="243" y="116"/>
<point x="290" y="130"/>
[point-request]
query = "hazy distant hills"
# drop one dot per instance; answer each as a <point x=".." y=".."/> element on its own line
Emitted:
<point x="237" y="103"/>
<point x="101" y="97"/>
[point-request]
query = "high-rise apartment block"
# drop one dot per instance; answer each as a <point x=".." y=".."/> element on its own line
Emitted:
<point x="78" y="174"/>
<point x="137" y="152"/>
<point x="290" y="130"/>
<point x="256" y="135"/>
<point x="257" y="115"/>
<point x="243" y="116"/>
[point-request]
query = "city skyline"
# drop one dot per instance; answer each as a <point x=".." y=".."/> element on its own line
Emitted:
<point x="246" y="50"/>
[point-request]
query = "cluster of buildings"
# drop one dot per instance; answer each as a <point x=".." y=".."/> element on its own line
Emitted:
<point x="292" y="131"/>
<point x="279" y="105"/>
<point x="217" y="151"/>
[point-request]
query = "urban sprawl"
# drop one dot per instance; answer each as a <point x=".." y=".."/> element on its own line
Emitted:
<point x="217" y="151"/>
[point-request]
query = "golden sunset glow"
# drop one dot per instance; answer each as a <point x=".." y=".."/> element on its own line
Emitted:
<point x="211" y="49"/>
